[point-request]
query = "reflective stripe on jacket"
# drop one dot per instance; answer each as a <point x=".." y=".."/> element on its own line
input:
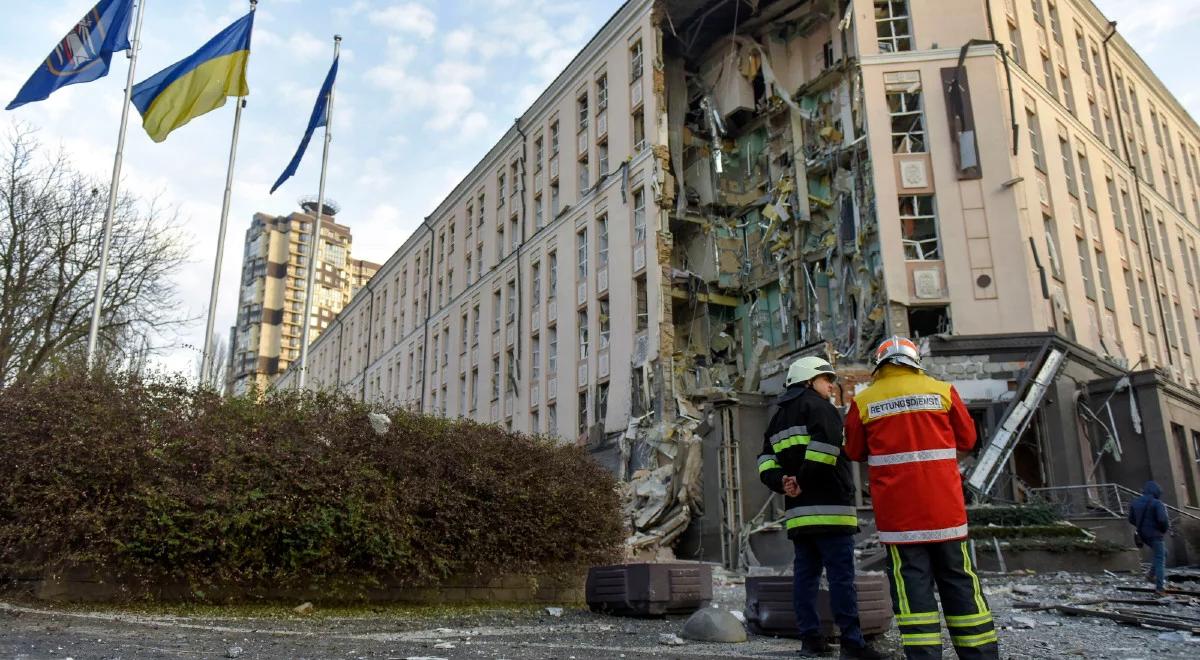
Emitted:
<point x="909" y="428"/>
<point x="804" y="440"/>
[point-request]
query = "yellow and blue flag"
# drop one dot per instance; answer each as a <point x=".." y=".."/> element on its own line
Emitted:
<point x="319" y="117"/>
<point x="83" y="55"/>
<point x="196" y="84"/>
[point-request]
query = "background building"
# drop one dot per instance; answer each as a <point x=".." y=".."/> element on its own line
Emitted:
<point x="266" y="339"/>
<point x="709" y="190"/>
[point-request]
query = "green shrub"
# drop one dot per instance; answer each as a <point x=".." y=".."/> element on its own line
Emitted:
<point x="1029" y="532"/>
<point x="1012" y="516"/>
<point x="155" y="479"/>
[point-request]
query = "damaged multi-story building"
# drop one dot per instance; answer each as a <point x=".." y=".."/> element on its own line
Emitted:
<point x="714" y="187"/>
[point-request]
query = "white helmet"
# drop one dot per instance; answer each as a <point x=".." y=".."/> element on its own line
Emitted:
<point x="900" y="350"/>
<point x="806" y="369"/>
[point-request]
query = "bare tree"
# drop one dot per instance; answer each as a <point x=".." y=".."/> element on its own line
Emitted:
<point x="220" y="355"/>
<point x="51" y="222"/>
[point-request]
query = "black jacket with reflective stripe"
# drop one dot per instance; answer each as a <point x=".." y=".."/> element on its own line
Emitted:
<point x="804" y="440"/>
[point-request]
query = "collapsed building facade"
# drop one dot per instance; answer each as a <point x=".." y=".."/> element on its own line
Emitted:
<point x="713" y="188"/>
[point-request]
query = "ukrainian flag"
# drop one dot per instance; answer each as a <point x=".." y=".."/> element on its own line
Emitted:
<point x="196" y="84"/>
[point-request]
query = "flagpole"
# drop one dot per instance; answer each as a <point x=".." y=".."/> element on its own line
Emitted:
<point x="316" y="242"/>
<point x="97" y="304"/>
<point x="206" y="365"/>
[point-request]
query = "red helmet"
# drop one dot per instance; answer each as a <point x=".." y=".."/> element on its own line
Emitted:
<point x="900" y="350"/>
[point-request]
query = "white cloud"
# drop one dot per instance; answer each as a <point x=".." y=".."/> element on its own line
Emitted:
<point x="406" y="17"/>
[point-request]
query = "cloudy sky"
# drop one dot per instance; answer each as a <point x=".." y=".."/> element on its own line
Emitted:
<point x="425" y="88"/>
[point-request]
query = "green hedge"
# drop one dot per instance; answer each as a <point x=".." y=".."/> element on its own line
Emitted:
<point x="1029" y="532"/>
<point x="1012" y="516"/>
<point x="156" y="479"/>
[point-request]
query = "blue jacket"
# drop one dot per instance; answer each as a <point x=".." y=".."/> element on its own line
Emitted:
<point x="1150" y="512"/>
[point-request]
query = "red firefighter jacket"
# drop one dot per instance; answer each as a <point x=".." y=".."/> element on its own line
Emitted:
<point x="908" y="427"/>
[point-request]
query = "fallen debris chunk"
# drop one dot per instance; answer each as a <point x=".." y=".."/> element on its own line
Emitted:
<point x="233" y="652"/>
<point x="1127" y="618"/>
<point x="714" y="625"/>
<point x="444" y="646"/>
<point x="1170" y="592"/>
<point x="1179" y="636"/>
<point x="1023" y="622"/>
<point x="554" y="611"/>
<point x="670" y="639"/>
<point x="303" y="608"/>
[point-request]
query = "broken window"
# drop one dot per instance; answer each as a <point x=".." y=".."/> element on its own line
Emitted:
<point x="514" y="232"/>
<point x="1014" y="45"/>
<point x="552" y="352"/>
<point x="582" y="319"/>
<point x="479" y="257"/>
<point x="639" y="130"/>
<point x="499" y="242"/>
<point x="918" y="223"/>
<point x="635" y="60"/>
<point x="908" y="125"/>
<point x="928" y="321"/>
<point x="642" y="305"/>
<point x="601" y="403"/>
<point x="553" y="291"/>
<point x="583" y="412"/>
<point x="602" y="241"/>
<point x="639" y="215"/>
<point x="1055" y="26"/>
<point x="462" y="396"/>
<point x="584" y="172"/>
<point x="1048" y="77"/>
<point x="500" y="190"/>
<point x="581" y="254"/>
<point x="892" y="26"/>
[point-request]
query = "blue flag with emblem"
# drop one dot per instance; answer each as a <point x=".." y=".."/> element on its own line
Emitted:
<point x="84" y="54"/>
<point x="319" y="117"/>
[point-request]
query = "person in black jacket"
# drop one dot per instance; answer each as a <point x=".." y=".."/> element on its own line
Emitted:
<point x="1148" y="515"/>
<point x="802" y="458"/>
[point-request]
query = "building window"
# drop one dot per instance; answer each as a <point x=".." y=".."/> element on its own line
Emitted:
<point x="601" y="92"/>
<point x="554" y="200"/>
<point x="475" y="325"/>
<point x="639" y="215"/>
<point x="496" y="378"/>
<point x="539" y="154"/>
<point x="552" y="419"/>
<point x="918" y="223"/>
<point x="511" y="293"/>
<point x="639" y="129"/>
<point x="1105" y="284"/>
<point x="583" y="335"/>
<point x="1085" y="268"/>
<point x="641" y="305"/>
<point x="602" y="150"/>
<point x="1131" y="294"/>
<point x="1068" y="164"/>
<point x="537" y="212"/>
<point x="535" y="352"/>
<point x="465" y="329"/>
<point x="553" y="290"/>
<point x="892" y="26"/>
<point x="602" y="241"/>
<point x="605" y="329"/>
<point x="908" y="126"/>
<point x="552" y="351"/>
<point x="536" y="284"/>
<point x="635" y="60"/>
<point x="583" y="412"/>
<point x="1048" y="77"/>
<point x="497" y="312"/>
<point x="554" y="138"/>
<point x="582" y="112"/>
<point x="601" y="404"/>
<point x="1085" y="175"/>
<point x="581" y="254"/>
<point x="482" y="200"/>
<point x="1035" y="141"/>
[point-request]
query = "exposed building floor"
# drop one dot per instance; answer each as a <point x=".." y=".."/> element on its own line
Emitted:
<point x="35" y="631"/>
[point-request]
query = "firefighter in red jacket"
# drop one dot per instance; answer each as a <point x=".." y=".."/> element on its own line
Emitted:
<point x="909" y="428"/>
